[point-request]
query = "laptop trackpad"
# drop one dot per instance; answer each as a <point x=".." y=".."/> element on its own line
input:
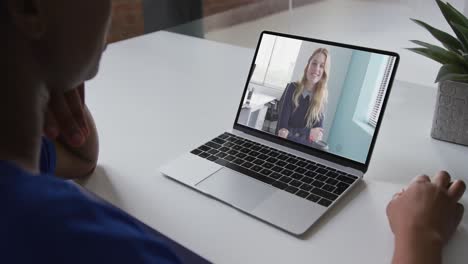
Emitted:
<point x="237" y="189"/>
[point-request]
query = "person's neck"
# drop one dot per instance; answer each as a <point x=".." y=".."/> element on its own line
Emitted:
<point x="22" y="106"/>
<point x="309" y="86"/>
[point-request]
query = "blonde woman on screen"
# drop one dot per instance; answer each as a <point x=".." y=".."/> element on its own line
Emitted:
<point x="302" y="104"/>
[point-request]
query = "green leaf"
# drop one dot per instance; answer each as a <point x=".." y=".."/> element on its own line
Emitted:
<point x="454" y="17"/>
<point x="460" y="16"/>
<point x="439" y="54"/>
<point x="451" y="72"/>
<point x="464" y="31"/>
<point x="446" y="39"/>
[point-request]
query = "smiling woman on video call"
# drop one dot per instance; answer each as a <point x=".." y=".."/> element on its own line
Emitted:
<point x="302" y="103"/>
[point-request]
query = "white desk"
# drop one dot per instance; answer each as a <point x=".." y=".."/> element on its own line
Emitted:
<point x="154" y="99"/>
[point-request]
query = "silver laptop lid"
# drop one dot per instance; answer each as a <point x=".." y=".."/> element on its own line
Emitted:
<point x="322" y="98"/>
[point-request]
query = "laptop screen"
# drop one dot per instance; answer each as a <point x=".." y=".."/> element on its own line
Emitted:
<point x="320" y="95"/>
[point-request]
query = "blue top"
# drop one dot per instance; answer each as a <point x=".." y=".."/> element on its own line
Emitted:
<point x="45" y="219"/>
<point x="294" y="120"/>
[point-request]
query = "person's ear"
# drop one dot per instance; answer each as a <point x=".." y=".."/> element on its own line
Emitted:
<point x="27" y="16"/>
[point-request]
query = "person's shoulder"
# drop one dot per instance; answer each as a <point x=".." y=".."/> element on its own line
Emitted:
<point x="291" y="87"/>
<point x="47" y="213"/>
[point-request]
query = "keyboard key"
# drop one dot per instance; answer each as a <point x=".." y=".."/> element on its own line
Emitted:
<point x="339" y="191"/>
<point x="307" y="180"/>
<point x="272" y="160"/>
<point x="280" y="185"/>
<point x="332" y="174"/>
<point x="245" y="150"/>
<point x="286" y="172"/>
<point x="213" y="151"/>
<point x="281" y="163"/>
<point x="196" y="151"/>
<point x="230" y="158"/>
<point x="310" y="174"/>
<point x="291" y="189"/>
<point x="224" y="136"/>
<point x="311" y="167"/>
<point x="296" y="176"/>
<point x="212" y="158"/>
<point x="275" y="175"/>
<point x="247" y="145"/>
<point x="321" y="178"/>
<point x="258" y="162"/>
<point x="266" y="172"/>
<point x="324" y="194"/>
<point x="331" y="181"/>
<point x="221" y="155"/>
<point x="274" y="154"/>
<point x="305" y="187"/>
<point x="238" y="161"/>
<point x="292" y="160"/>
<point x="291" y="167"/>
<point x="228" y="145"/>
<point x="262" y="156"/>
<point x="264" y="150"/>
<point x="342" y="185"/>
<point x="204" y="155"/>
<point x="295" y="183"/>
<point x="282" y="157"/>
<point x="232" y="152"/>
<point x="328" y="188"/>
<point x="277" y="168"/>
<point x="249" y="158"/>
<point x="213" y="145"/>
<point x="256" y="168"/>
<point x="321" y="171"/>
<point x="219" y="141"/>
<point x="204" y="148"/>
<point x="224" y="149"/>
<point x="285" y="179"/>
<point x="300" y="170"/>
<point x="324" y="202"/>
<point x="268" y="165"/>
<point x="312" y="197"/>
<point x="256" y="148"/>
<point x="318" y="184"/>
<point x="302" y="194"/>
<point x="345" y="179"/>
<point x="254" y="153"/>
<point x="237" y="147"/>
<point x="302" y="164"/>
<point x="247" y="165"/>
<point x="241" y="155"/>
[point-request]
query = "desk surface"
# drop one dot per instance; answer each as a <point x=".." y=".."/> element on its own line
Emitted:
<point x="150" y="105"/>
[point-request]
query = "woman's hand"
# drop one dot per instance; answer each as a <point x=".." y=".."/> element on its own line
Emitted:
<point x="316" y="134"/>
<point x="66" y="117"/>
<point x="283" y="133"/>
<point x="427" y="210"/>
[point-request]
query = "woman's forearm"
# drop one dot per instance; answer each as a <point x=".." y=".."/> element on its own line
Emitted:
<point x="417" y="248"/>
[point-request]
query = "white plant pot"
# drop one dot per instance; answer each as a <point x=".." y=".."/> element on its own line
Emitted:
<point x="450" y="121"/>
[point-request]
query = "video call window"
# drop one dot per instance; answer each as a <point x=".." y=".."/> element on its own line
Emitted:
<point x="321" y="96"/>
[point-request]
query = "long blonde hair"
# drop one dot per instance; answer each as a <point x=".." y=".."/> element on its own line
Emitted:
<point x="320" y="96"/>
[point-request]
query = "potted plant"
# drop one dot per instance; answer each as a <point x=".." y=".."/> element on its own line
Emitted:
<point x="450" y="121"/>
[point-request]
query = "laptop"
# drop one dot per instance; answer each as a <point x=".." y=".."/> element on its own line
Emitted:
<point x="303" y="135"/>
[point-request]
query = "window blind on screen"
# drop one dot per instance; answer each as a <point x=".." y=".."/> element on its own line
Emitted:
<point x="375" y="113"/>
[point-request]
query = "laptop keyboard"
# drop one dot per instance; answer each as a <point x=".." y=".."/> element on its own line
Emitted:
<point x="301" y="177"/>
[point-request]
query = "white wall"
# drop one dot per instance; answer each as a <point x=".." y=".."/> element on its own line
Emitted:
<point x="340" y="60"/>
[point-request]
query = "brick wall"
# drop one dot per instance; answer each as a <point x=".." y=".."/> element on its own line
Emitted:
<point x="211" y="7"/>
<point x="127" y="19"/>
